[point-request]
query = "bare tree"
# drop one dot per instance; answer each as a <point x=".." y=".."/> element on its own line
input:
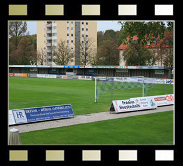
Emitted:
<point x="41" y="57"/>
<point x="64" y="54"/>
<point x="87" y="51"/>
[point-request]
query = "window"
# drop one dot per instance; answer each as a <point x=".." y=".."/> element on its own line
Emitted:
<point x="67" y="28"/>
<point x="72" y="34"/>
<point x="148" y="42"/>
<point x="71" y="28"/>
<point x="86" y="23"/>
<point x="82" y="29"/>
<point x="167" y="41"/>
<point x="82" y="23"/>
<point x="54" y="34"/>
<point x="71" y="41"/>
<point x="67" y="34"/>
<point x="67" y="41"/>
<point x="154" y="42"/>
<point x="54" y="28"/>
<point x="54" y="41"/>
<point x="86" y="29"/>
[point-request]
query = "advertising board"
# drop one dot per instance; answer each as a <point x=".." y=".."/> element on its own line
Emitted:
<point x="11" y="74"/>
<point x="18" y="74"/>
<point x="46" y="76"/>
<point x="163" y="100"/>
<point x="133" y="104"/>
<point x="28" y="115"/>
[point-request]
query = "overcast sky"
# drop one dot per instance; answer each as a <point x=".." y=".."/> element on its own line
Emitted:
<point x="101" y="26"/>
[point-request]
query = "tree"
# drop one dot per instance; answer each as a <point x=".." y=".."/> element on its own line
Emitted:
<point x="108" y="53"/>
<point x="25" y="53"/>
<point x="145" y="31"/>
<point x="100" y="38"/>
<point x="136" y="55"/>
<point x="148" y="31"/>
<point x="86" y="51"/>
<point x="109" y="35"/>
<point x="32" y="38"/>
<point x="64" y="54"/>
<point x="17" y="29"/>
<point x="165" y="53"/>
<point x="107" y="47"/>
<point x="41" y="57"/>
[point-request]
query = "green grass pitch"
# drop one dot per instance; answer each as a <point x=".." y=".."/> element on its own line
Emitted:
<point x="150" y="129"/>
<point x="36" y="92"/>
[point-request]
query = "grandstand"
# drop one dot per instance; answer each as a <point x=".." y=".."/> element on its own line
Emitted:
<point x="107" y="71"/>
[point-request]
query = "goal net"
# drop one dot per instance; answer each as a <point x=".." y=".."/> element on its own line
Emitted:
<point x="120" y="88"/>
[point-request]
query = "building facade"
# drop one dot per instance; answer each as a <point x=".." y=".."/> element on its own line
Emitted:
<point x="76" y="36"/>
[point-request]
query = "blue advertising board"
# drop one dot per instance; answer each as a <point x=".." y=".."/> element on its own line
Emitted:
<point x="29" y="115"/>
<point x="72" y="67"/>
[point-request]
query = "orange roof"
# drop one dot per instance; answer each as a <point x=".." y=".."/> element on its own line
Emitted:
<point x="124" y="46"/>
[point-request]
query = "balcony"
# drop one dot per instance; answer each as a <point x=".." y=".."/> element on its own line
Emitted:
<point x="49" y="31"/>
<point x="48" y="57"/>
<point x="49" y="44"/>
<point x="49" y="38"/>
<point x="48" y="50"/>
<point x="49" y="25"/>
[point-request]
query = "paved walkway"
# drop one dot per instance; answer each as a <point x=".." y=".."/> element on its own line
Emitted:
<point x="80" y="119"/>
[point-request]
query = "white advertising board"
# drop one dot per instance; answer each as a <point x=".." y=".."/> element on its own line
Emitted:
<point x="162" y="100"/>
<point x="46" y="76"/>
<point x="133" y="104"/>
<point x="11" y="118"/>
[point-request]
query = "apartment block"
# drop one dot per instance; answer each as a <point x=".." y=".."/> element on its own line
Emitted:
<point x="76" y="36"/>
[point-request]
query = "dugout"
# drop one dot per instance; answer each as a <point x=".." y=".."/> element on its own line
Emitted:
<point x="110" y="71"/>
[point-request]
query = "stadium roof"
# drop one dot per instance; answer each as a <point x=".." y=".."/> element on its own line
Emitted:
<point x="104" y="67"/>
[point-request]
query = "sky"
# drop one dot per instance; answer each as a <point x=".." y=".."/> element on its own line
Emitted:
<point x="101" y="26"/>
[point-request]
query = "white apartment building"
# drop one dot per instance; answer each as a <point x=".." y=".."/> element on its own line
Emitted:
<point x="50" y="33"/>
